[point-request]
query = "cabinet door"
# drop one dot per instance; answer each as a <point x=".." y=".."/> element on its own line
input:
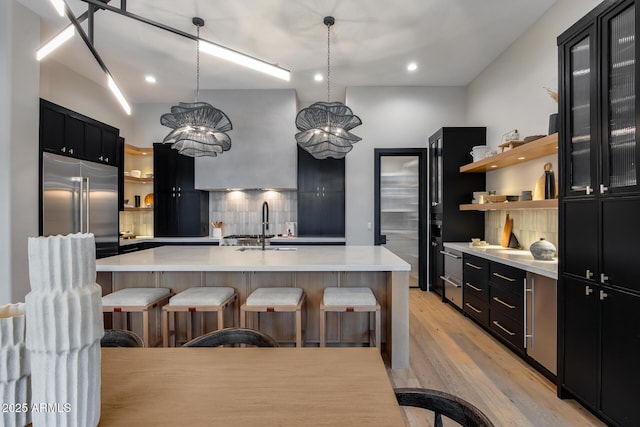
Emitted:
<point x="310" y="214"/>
<point x="52" y="129"/>
<point x="184" y="172"/>
<point x="620" y="155"/>
<point x="620" y="229"/>
<point x="580" y="137"/>
<point x="163" y="168"/>
<point x="93" y="142"/>
<point x="436" y="265"/>
<point x="165" y="222"/>
<point x="109" y="147"/>
<point x="189" y="214"/>
<point x="580" y="221"/>
<point x="620" y="350"/>
<point x="581" y="326"/>
<point x="74" y="136"/>
<point x="319" y="175"/>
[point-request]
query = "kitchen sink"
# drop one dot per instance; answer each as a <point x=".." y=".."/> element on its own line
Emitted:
<point x="266" y="248"/>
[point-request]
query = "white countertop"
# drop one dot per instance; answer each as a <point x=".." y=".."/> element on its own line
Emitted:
<point x="206" y="239"/>
<point x="515" y="258"/>
<point x="230" y="258"/>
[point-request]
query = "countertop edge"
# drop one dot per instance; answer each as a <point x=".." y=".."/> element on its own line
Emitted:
<point x="544" y="268"/>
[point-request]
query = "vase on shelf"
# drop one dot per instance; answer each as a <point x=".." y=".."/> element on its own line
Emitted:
<point x="64" y="328"/>
<point x="543" y="250"/>
<point x="14" y="375"/>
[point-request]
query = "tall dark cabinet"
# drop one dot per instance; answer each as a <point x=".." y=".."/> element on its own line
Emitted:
<point x="449" y="149"/>
<point x="179" y="209"/>
<point x="320" y="196"/>
<point x="598" y="287"/>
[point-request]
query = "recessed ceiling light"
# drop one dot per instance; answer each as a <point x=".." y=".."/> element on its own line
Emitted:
<point x="494" y="166"/>
<point x="318" y="77"/>
<point x="412" y="66"/>
<point x="521" y="158"/>
<point x="149" y="79"/>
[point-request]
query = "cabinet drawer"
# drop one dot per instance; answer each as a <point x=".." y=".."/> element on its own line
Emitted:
<point x="476" y="271"/>
<point x="479" y="291"/>
<point x="477" y="309"/>
<point x="507" y="329"/>
<point x="507" y="277"/>
<point x="452" y="264"/>
<point x="510" y="303"/>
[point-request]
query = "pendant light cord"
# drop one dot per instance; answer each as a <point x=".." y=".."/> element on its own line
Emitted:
<point x="198" y="64"/>
<point x="328" y="63"/>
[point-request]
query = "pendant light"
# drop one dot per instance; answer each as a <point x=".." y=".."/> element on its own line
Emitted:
<point x="198" y="127"/>
<point x="324" y="126"/>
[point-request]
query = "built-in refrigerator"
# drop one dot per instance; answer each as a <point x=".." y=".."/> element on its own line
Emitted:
<point x="78" y="196"/>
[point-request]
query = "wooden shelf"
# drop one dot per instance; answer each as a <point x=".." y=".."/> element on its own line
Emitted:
<point x="531" y="150"/>
<point x="137" y="151"/>
<point x="531" y="204"/>
<point x="133" y="180"/>
<point x="138" y="209"/>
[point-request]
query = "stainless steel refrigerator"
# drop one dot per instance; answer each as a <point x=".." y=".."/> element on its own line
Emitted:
<point x="78" y="196"/>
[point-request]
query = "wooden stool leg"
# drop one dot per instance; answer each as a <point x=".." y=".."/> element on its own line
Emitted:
<point x="323" y="325"/>
<point x="189" y="325"/>
<point x="173" y="330"/>
<point x="145" y="328"/>
<point x="243" y="318"/>
<point x="220" y="319"/>
<point x="378" y="332"/>
<point x="165" y="328"/>
<point x="298" y="328"/>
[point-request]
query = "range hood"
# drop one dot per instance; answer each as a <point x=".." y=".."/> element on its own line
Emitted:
<point x="263" y="146"/>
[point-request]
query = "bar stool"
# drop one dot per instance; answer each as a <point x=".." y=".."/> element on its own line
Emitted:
<point x="275" y="300"/>
<point x="350" y="300"/>
<point x="199" y="299"/>
<point x="132" y="300"/>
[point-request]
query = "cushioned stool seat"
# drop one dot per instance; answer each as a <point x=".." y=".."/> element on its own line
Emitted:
<point x="198" y="299"/>
<point x="136" y="300"/>
<point x="350" y="300"/>
<point x="273" y="300"/>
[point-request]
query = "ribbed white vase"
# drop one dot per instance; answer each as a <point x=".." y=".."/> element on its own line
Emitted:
<point x="14" y="372"/>
<point x="64" y="328"/>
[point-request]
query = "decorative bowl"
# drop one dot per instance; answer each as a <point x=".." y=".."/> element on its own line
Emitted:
<point x="495" y="198"/>
<point x="543" y="250"/>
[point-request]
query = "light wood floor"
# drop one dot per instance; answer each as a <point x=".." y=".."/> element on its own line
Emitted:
<point x="451" y="353"/>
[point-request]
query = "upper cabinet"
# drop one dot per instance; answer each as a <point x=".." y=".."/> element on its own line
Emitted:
<point x="598" y="100"/>
<point x="68" y="133"/>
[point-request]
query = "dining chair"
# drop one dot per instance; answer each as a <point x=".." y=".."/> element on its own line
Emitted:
<point x="120" y="338"/>
<point x="441" y="403"/>
<point x="233" y="336"/>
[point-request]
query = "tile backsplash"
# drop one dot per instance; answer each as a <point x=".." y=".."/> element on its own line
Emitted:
<point x="241" y="211"/>
<point x="529" y="225"/>
<point x="140" y="223"/>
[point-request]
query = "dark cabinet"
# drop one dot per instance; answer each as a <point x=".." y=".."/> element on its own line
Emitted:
<point x="599" y="201"/>
<point x="449" y="149"/>
<point x="66" y="132"/>
<point x="506" y="304"/>
<point x="320" y="196"/>
<point x="475" y="280"/>
<point x="179" y="209"/>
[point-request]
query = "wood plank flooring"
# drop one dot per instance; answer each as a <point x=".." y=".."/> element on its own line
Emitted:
<point x="451" y="353"/>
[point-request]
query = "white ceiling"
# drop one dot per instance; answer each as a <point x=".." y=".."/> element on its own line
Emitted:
<point x="372" y="42"/>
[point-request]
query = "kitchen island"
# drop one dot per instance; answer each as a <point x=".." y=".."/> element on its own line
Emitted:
<point x="311" y="268"/>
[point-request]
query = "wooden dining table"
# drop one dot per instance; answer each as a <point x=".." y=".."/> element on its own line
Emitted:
<point x="246" y="386"/>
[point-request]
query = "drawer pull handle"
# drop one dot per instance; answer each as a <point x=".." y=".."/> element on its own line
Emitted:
<point x="473" y="266"/>
<point x="451" y="282"/>
<point x="472" y="307"/>
<point x="473" y="287"/>
<point x="449" y="254"/>
<point x="495" y="322"/>
<point x="504" y="277"/>
<point x="496" y="299"/>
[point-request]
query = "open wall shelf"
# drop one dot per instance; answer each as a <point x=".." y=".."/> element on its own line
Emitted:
<point x="531" y="204"/>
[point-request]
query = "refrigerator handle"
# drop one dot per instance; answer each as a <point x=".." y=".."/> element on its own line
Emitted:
<point x="81" y="203"/>
<point x="87" y="192"/>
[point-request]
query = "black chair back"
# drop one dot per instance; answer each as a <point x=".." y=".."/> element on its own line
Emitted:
<point x="233" y="336"/>
<point x="120" y="338"/>
<point x="441" y="403"/>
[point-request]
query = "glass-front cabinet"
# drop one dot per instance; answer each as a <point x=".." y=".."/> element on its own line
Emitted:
<point x="598" y="81"/>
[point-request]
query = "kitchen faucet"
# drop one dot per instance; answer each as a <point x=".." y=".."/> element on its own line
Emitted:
<point x="265" y="222"/>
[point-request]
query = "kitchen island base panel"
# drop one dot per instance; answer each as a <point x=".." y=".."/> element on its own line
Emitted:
<point x="341" y="329"/>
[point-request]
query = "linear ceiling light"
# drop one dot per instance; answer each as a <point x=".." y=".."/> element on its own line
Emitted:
<point x="55" y="42"/>
<point x="116" y="91"/>
<point x="244" y="60"/>
<point x="59" y="5"/>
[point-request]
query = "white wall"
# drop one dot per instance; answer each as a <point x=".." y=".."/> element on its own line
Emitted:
<point x="509" y="93"/>
<point x="392" y="117"/>
<point x="19" y="74"/>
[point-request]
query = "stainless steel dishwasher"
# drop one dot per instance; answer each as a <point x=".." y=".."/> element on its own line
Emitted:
<point x="452" y="277"/>
<point x="541" y="320"/>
